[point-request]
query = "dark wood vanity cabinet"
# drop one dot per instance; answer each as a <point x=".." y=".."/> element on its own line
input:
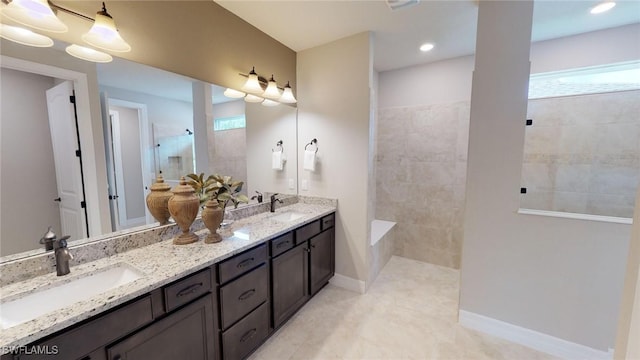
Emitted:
<point x="184" y="334"/>
<point x="290" y="283"/>
<point x="225" y="311"/>
<point x="302" y="271"/>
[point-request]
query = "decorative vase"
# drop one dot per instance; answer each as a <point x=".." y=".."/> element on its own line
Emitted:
<point x="212" y="218"/>
<point x="158" y="200"/>
<point x="184" y="206"/>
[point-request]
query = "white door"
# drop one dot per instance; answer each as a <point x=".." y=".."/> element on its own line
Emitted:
<point x="120" y="197"/>
<point x="64" y="137"/>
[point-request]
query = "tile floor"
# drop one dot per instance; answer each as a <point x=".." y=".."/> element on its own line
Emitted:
<point x="410" y="312"/>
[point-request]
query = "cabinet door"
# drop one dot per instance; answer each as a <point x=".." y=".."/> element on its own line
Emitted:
<point x="290" y="276"/>
<point x="185" y="334"/>
<point x="322" y="260"/>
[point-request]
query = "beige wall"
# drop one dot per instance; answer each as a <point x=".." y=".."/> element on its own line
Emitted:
<point x="28" y="183"/>
<point x="556" y="276"/>
<point x="265" y="127"/>
<point x="333" y="107"/>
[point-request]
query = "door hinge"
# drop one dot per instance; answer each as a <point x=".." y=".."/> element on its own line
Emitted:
<point x="72" y="99"/>
<point x="83" y="204"/>
<point x="78" y="153"/>
<point x="523" y="190"/>
<point x="529" y="122"/>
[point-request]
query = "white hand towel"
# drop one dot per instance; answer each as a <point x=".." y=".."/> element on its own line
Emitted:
<point x="276" y="160"/>
<point x="310" y="160"/>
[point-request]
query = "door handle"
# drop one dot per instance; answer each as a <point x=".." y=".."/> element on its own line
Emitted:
<point x="57" y="199"/>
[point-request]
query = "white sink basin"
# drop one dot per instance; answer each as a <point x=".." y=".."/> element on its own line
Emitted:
<point x="287" y="216"/>
<point x="61" y="296"/>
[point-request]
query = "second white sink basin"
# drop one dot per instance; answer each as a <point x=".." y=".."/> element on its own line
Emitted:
<point x="58" y="297"/>
<point x="287" y="216"/>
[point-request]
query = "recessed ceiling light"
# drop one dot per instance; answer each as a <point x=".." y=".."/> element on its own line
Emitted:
<point x="426" y="47"/>
<point x="602" y="7"/>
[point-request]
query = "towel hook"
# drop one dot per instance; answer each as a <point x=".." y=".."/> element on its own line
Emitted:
<point x="279" y="145"/>
<point x="312" y="142"/>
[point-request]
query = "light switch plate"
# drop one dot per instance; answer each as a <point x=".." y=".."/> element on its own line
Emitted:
<point x="305" y="184"/>
<point x="291" y="184"/>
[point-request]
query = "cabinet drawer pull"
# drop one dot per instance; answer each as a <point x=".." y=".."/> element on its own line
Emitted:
<point x="282" y="244"/>
<point x="247" y="294"/>
<point x="189" y="290"/>
<point x="244" y="263"/>
<point x="248" y="335"/>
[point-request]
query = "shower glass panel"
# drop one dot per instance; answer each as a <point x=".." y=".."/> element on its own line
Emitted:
<point x="174" y="151"/>
<point x="582" y="141"/>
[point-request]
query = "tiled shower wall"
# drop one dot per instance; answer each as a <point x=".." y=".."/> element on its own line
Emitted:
<point x="582" y="154"/>
<point x="228" y="153"/>
<point x="420" y="179"/>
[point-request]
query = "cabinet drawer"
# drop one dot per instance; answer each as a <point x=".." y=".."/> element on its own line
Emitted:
<point x="80" y="341"/>
<point x="242" y="263"/>
<point x="247" y="334"/>
<point x="327" y="222"/>
<point x="187" y="289"/>
<point x="281" y="244"/>
<point x="244" y="294"/>
<point x="308" y="231"/>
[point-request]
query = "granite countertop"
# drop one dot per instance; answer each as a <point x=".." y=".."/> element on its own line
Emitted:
<point x="162" y="263"/>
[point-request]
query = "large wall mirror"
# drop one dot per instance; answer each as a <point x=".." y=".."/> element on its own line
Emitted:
<point x="582" y="142"/>
<point x="148" y="128"/>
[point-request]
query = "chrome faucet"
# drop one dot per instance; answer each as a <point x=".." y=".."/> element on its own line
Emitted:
<point x="273" y="202"/>
<point x="257" y="197"/>
<point x="62" y="256"/>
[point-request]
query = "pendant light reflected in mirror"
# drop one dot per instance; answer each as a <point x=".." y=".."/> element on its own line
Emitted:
<point x="253" y="98"/>
<point x="24" y="36"/>
<point x="88" y="54"/>
<point x="268" y="102"/>
<point x="34" y="13"/>
<point x="234" y="94"/>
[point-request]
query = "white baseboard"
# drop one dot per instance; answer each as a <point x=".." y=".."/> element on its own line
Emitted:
<point x="348" y="283"/>
<point x="530" y="338"/>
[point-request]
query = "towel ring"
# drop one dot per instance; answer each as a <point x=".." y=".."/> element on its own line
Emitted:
<point x="279" y="146"/>
<point x="312" y="142"/>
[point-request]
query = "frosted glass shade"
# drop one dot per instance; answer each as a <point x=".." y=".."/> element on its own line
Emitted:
<point x="34" y="13"/>
<point x="268" y="102"/>
<point x="234" y="94"/>
<point x="253" y="84"/>
<point x="272" y="91"/>
<point x="253" y="99"/>
<point x="104" y="35"/>
<point x="88" y="54"/>
<point x="287" y="95"/>
<point x="24" y="36"/>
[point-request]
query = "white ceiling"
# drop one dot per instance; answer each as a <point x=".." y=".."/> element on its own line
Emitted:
<point x="450" y="25"/>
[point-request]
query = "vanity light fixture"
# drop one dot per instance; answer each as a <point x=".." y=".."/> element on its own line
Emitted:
<point x="258" y="89"/>
<point x="287" y="95"/>
<point x="88" y="54"/>
<point x="104" y="35"/>
<point x="24" y="36"/>
<point x="253" y="98"/>
<point x="268" y="102"/>
<point x="602" y="7"/>
<point x="272" y="91"/>
<point x="234" y="94"/>
<point x="34" y="13"/>
<point x="253" y="84"/>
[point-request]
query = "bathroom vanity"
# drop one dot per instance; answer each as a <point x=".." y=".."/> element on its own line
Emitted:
<point x="223" y="307"/>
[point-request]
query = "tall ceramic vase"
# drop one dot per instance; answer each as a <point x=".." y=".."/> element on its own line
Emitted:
<point x="158" y="200"/>
<point x="183" y="206"/>
<point x="212" y="218"/>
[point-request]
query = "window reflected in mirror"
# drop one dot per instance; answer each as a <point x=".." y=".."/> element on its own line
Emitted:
<point x="582" y="141"/>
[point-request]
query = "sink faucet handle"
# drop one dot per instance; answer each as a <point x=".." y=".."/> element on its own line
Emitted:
<point x="62" y="242"/>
